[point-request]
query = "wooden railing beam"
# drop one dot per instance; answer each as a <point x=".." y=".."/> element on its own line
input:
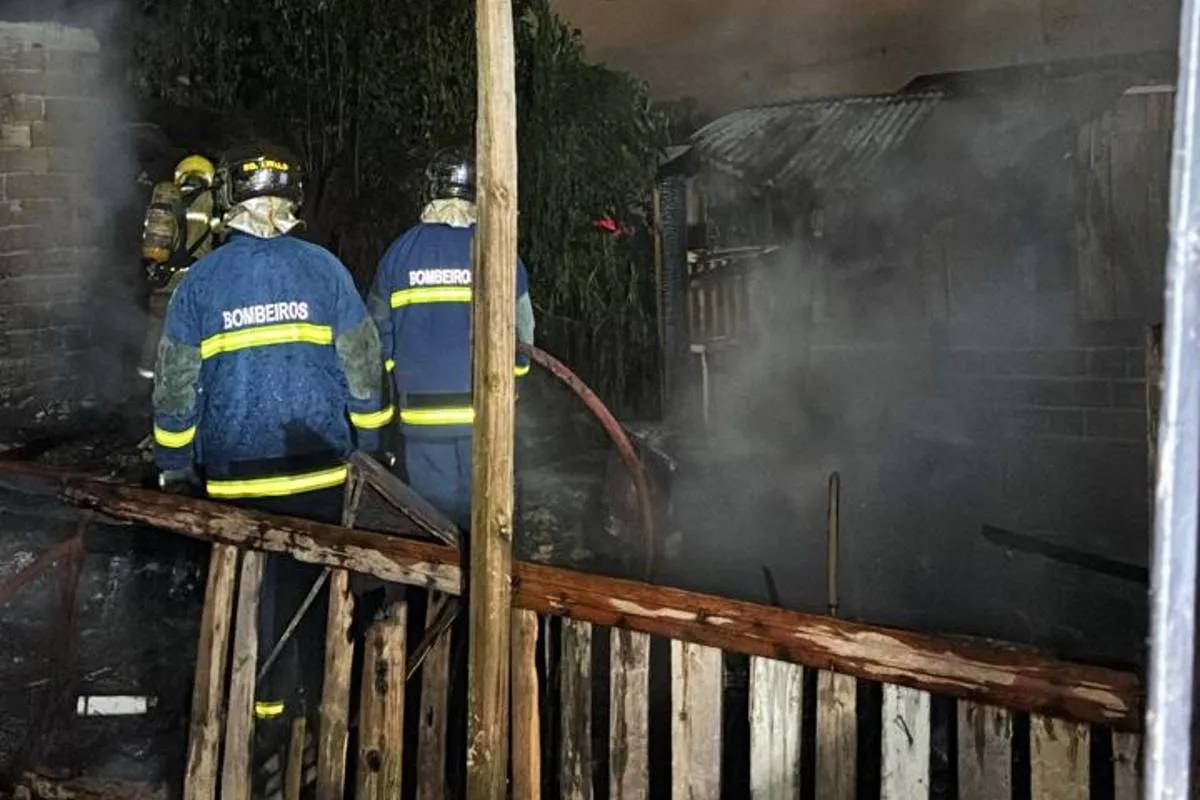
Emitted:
<point x="974" y="671"/>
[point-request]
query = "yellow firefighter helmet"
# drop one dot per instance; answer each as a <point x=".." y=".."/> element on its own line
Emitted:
<point x="194" y="167"/>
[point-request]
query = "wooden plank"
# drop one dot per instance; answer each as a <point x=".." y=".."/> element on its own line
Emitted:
<point x="1127" y="766"/>
<point x="239" y="722"/>
<point x="526" y="725"/>
<point x="335" y="695"/>
<point x="776" y="715"/>
<point x="837" y="736"/>
<point x="575" y="674"/>
<point x="1059" y="759"/>
<point x="984" y="752"/>
<point x="208" y="691"/>
<point x="431" y="730"/>
<point x="493" y="345"/>
<point x="697" y="683"/>
<point x="629" y="710"/>
<point x="401" y="496"/>
<point x="905" y="741"/>
<point x="294" y="777"/>
<point x="381" y="716"/>
<point x="405" y="561"/>
<point x="971" y="670"/>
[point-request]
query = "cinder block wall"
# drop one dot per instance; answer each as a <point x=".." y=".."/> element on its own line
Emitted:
<point x="50" y="116"/>
<point x="1094" y="390"/>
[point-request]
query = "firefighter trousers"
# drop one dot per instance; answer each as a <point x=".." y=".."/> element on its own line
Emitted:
<point x="440" y="471"/>
<point x="292" y="687"/>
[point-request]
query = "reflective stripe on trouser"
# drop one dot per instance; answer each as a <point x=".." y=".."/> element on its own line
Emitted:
<point x="269" y="709"/>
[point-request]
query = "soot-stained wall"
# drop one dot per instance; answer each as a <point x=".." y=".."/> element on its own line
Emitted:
<point x="50" y="246"/>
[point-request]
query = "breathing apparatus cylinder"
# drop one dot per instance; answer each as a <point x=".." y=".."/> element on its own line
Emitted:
<point x="160" y="228"/>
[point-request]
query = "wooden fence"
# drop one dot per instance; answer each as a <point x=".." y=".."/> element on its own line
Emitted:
<point x="831" y="708"/>
<point x="719" y="294"/>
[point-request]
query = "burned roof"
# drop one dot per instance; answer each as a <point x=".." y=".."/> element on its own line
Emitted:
<point x="822" y="144"/>
<point x="990" y="117"/>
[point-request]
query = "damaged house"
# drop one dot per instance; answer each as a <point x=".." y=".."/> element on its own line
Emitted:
<point x="943" y="295"/>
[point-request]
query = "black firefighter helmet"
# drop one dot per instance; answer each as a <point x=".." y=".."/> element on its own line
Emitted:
<point x="259" y="171"/>
<point x="451" y="175"/>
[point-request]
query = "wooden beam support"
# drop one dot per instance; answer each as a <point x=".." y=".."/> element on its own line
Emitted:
<point x="208" y="691"/>
<point x="381" y="716"/>
<point x="494" y="351"/>
<point x="526" y="725"/>
<point x="239" y="722"/>
<point x="294" y="771"/>
<point x="435" y="691"/>
<point x="335" y="693"/>
<point x="967" y="670"/>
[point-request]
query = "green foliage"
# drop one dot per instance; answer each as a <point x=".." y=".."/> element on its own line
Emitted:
<point x="368" y="90"/>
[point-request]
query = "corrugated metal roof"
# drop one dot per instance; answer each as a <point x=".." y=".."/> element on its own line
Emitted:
<point x="824" y="144"/>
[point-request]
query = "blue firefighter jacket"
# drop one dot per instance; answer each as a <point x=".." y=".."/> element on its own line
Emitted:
<point x="421" y="301"/>
<point x="269" y="371"/>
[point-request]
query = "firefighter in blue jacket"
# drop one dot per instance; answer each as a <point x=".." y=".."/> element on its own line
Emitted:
<point x="268" y="376"/>
<point x="421" y="301"/>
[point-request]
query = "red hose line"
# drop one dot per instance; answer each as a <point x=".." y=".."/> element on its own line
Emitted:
<point x="616" y="432"/>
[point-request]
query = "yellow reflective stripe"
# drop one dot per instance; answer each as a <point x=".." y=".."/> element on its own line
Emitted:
<point x="264" y="710"/>
<point x="463" y="415"/>
<point x="521" y="370"/>
<point x="285" y="333"/>
<point x="174" y="438"/>
<point x="389" y="364"/>
<point x="373" y="419"/>
<point x="431" y="294"/>
<point x="280" y="486"/>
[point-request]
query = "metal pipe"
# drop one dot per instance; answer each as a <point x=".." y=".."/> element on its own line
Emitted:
<point x="833" y="541"/>
<point x="1173" y="576"/>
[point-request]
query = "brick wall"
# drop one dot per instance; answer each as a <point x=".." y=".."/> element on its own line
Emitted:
<point x="1086" y="392"/>
<point x="51" y="115"/>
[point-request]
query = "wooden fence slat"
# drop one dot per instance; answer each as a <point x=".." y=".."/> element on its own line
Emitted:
<point x="776" y="719"/>
<point x="381" y="712"/>
<point x="431" y="732"/>
<point x="629" y="704"/>
<point x="1059" y="759"/>
<point x="335" y="695"/>
<point x="239" y="721"/>
<point x="905" y="734"/>
<point x="576" y="686"/>
<point x="1127" y="766"/>
<point x="697" y="684"/>
<point x="837" y="736"/>
<point x="526" y="719"/>
<point x="294" y="774"/>
<point x="984" y="752"/>
<point x="208" y="691"/>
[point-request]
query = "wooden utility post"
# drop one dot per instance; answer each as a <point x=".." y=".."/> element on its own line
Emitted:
<point x="494" y="352"/>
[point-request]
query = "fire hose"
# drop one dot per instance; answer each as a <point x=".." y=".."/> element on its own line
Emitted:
<point x="629" y="457"/>
<point x="616" y="432"/>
